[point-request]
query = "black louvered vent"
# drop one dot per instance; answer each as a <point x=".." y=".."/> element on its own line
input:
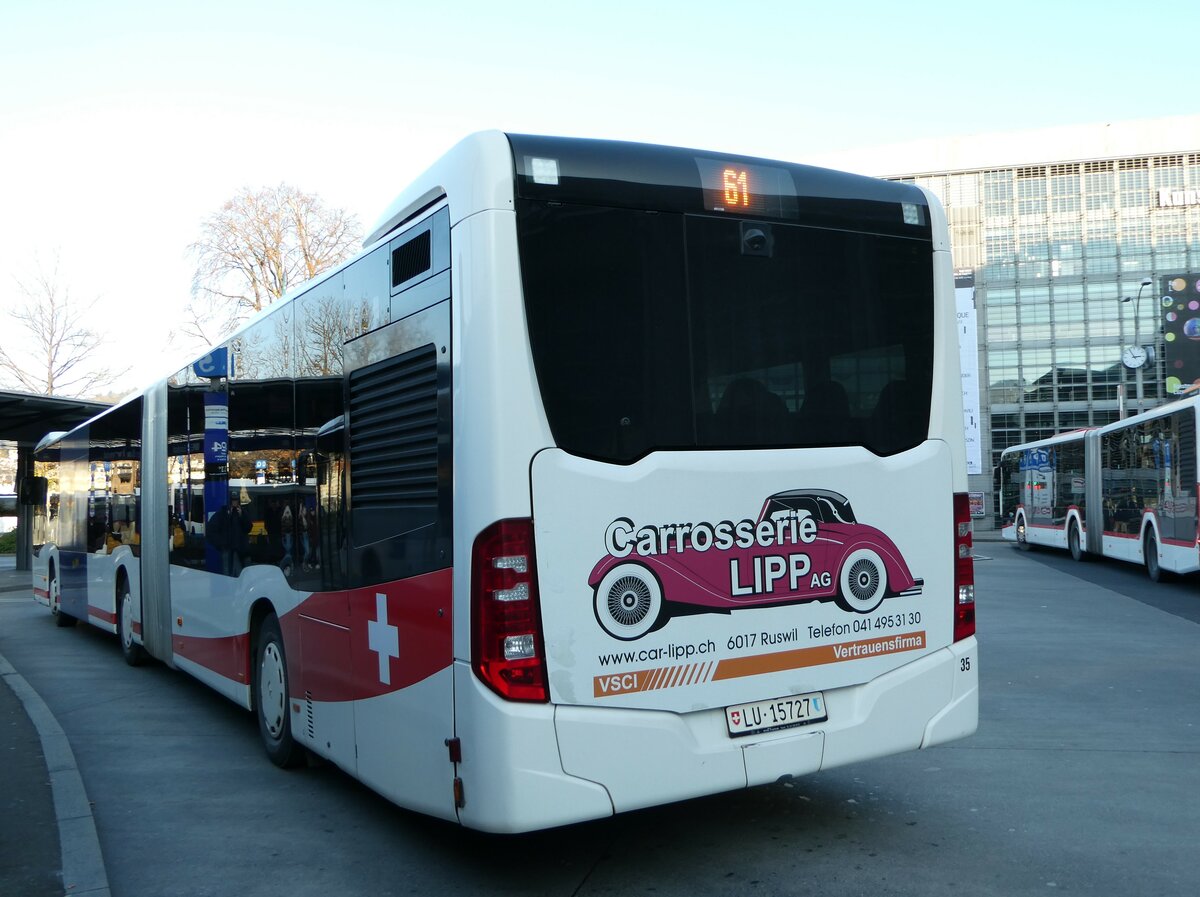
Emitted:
<point x="394" y="441"/>
<point x="1187" y="455"/>
<point x="410" y="259"/>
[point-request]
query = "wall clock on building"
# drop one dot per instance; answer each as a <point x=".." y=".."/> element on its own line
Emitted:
<point x="1135" y="356"/>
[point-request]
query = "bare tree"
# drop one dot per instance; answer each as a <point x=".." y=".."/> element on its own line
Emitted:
<point x="322" y="328"/>
<point x="51" y="352"/>
<point x="260" y="244"/>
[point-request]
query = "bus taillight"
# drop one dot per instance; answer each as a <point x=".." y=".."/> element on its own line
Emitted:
<point x="964" y="570"/>
<point x="507" y="650"/>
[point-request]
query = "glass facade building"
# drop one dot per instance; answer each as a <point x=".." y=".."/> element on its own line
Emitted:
<point x="1054" y="247"/>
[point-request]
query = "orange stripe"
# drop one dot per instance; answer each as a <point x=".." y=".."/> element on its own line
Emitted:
<point x="738" y="667"/>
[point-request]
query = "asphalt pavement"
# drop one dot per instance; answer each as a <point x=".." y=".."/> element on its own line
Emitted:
<point x="48" y="843"/>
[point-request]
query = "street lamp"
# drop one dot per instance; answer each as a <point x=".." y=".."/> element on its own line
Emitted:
<point x="1135" y="357"/>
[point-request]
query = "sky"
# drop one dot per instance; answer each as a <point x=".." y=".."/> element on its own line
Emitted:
<point x="124" y="125"/>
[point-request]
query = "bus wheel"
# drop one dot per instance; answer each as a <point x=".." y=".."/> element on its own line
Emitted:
<point x="1151" y="555"/>
<point x="270" y="692"/>
<point x="60" y="619"/>
<point x="133" y="652"/>
<point x="862" y="582"/>
<point x="1074" y="544"/>
<point x="628" y="601"/>
<point x="1022" y="536"/>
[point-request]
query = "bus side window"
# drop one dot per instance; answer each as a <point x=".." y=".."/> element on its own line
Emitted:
<point x="329" y="464"/>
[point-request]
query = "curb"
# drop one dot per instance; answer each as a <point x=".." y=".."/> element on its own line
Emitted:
<point x="83" y="870"/>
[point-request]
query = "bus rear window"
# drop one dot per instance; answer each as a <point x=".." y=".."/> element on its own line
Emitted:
<point x="658" y="331"/>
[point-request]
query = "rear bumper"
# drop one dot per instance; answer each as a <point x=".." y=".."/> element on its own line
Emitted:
<point x="645" y="758"/>
<point x="612" y="760"/>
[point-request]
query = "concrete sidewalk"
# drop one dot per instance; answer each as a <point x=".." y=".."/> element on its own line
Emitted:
<point x="48" y="841"/>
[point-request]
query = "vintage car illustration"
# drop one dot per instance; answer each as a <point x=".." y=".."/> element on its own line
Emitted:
<point x="805" y="545"/>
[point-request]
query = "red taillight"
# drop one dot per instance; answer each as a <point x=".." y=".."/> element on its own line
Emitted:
<point x="964" y="570"/>
<point x="507" y="651"/>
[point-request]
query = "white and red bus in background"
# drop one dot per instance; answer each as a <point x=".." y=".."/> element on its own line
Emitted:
<point x="1127" y="490"/>
<point x="383" y="515"/>
<point x="1043" y="500"/>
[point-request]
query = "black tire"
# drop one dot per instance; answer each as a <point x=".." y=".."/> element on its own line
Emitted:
<point x="61" y="619"/>
<point x="1074" y="544"/>
<point x="1150" y="555"/>
<point x="270" y="692"/>
<point x="133" y="653"/>
<point x="1022" y="540"/>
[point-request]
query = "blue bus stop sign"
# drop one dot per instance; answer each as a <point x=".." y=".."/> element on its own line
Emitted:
<point x="213" y="365"/>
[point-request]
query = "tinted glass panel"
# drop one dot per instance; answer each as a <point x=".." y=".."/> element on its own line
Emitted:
<point x="114" y="480"/>
<point x="664" y="331"/>
<point x="45" y="509"/>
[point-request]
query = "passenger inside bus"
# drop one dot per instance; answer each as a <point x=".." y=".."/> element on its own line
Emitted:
<point x="825" y="413"/>
<point x="750" y="414"/>
<point x="894" y="422"/>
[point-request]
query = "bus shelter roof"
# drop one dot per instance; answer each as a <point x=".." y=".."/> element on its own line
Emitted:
<point x="26" y="417"/>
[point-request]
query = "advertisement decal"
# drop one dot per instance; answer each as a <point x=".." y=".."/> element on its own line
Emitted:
<point x="803" y="545"/>
<point x="787" y="573"/>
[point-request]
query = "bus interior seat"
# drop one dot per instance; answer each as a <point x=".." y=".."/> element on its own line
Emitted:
<point x="891" y="425"/>
<point x="750" y="414"/>
<point x="824" y="416"/>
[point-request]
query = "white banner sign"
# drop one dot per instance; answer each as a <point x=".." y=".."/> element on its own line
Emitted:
<point x="968" y="348"/>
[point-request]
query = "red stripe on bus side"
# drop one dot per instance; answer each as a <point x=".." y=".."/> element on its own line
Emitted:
<point x="331" y="655"/>
<point x="229" y="656"/>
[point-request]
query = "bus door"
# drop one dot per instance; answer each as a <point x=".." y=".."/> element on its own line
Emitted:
<point x="398" y="555"/>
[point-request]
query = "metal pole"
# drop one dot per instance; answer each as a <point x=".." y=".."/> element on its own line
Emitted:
<point x="1137" y="338"/>
<point x="24" y="512"/>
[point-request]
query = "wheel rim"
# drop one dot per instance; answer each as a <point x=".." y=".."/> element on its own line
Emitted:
<point x="863" y="581"/>
<point x="272" y="690"/>
<point x="54" y="596"/>
<point x="1151" y="556"/>
<point x="127" y="620"/>
<point x="629" y="600"/>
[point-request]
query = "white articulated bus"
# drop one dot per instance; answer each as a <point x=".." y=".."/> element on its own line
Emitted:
<point x="607" y="475"/>
<point x="1127" y="490"/>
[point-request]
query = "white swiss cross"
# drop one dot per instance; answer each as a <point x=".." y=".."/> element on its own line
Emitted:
<point x="383" y="639"/>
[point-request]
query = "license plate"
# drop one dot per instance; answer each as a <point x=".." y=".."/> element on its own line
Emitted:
<point x="781" y="713"/>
